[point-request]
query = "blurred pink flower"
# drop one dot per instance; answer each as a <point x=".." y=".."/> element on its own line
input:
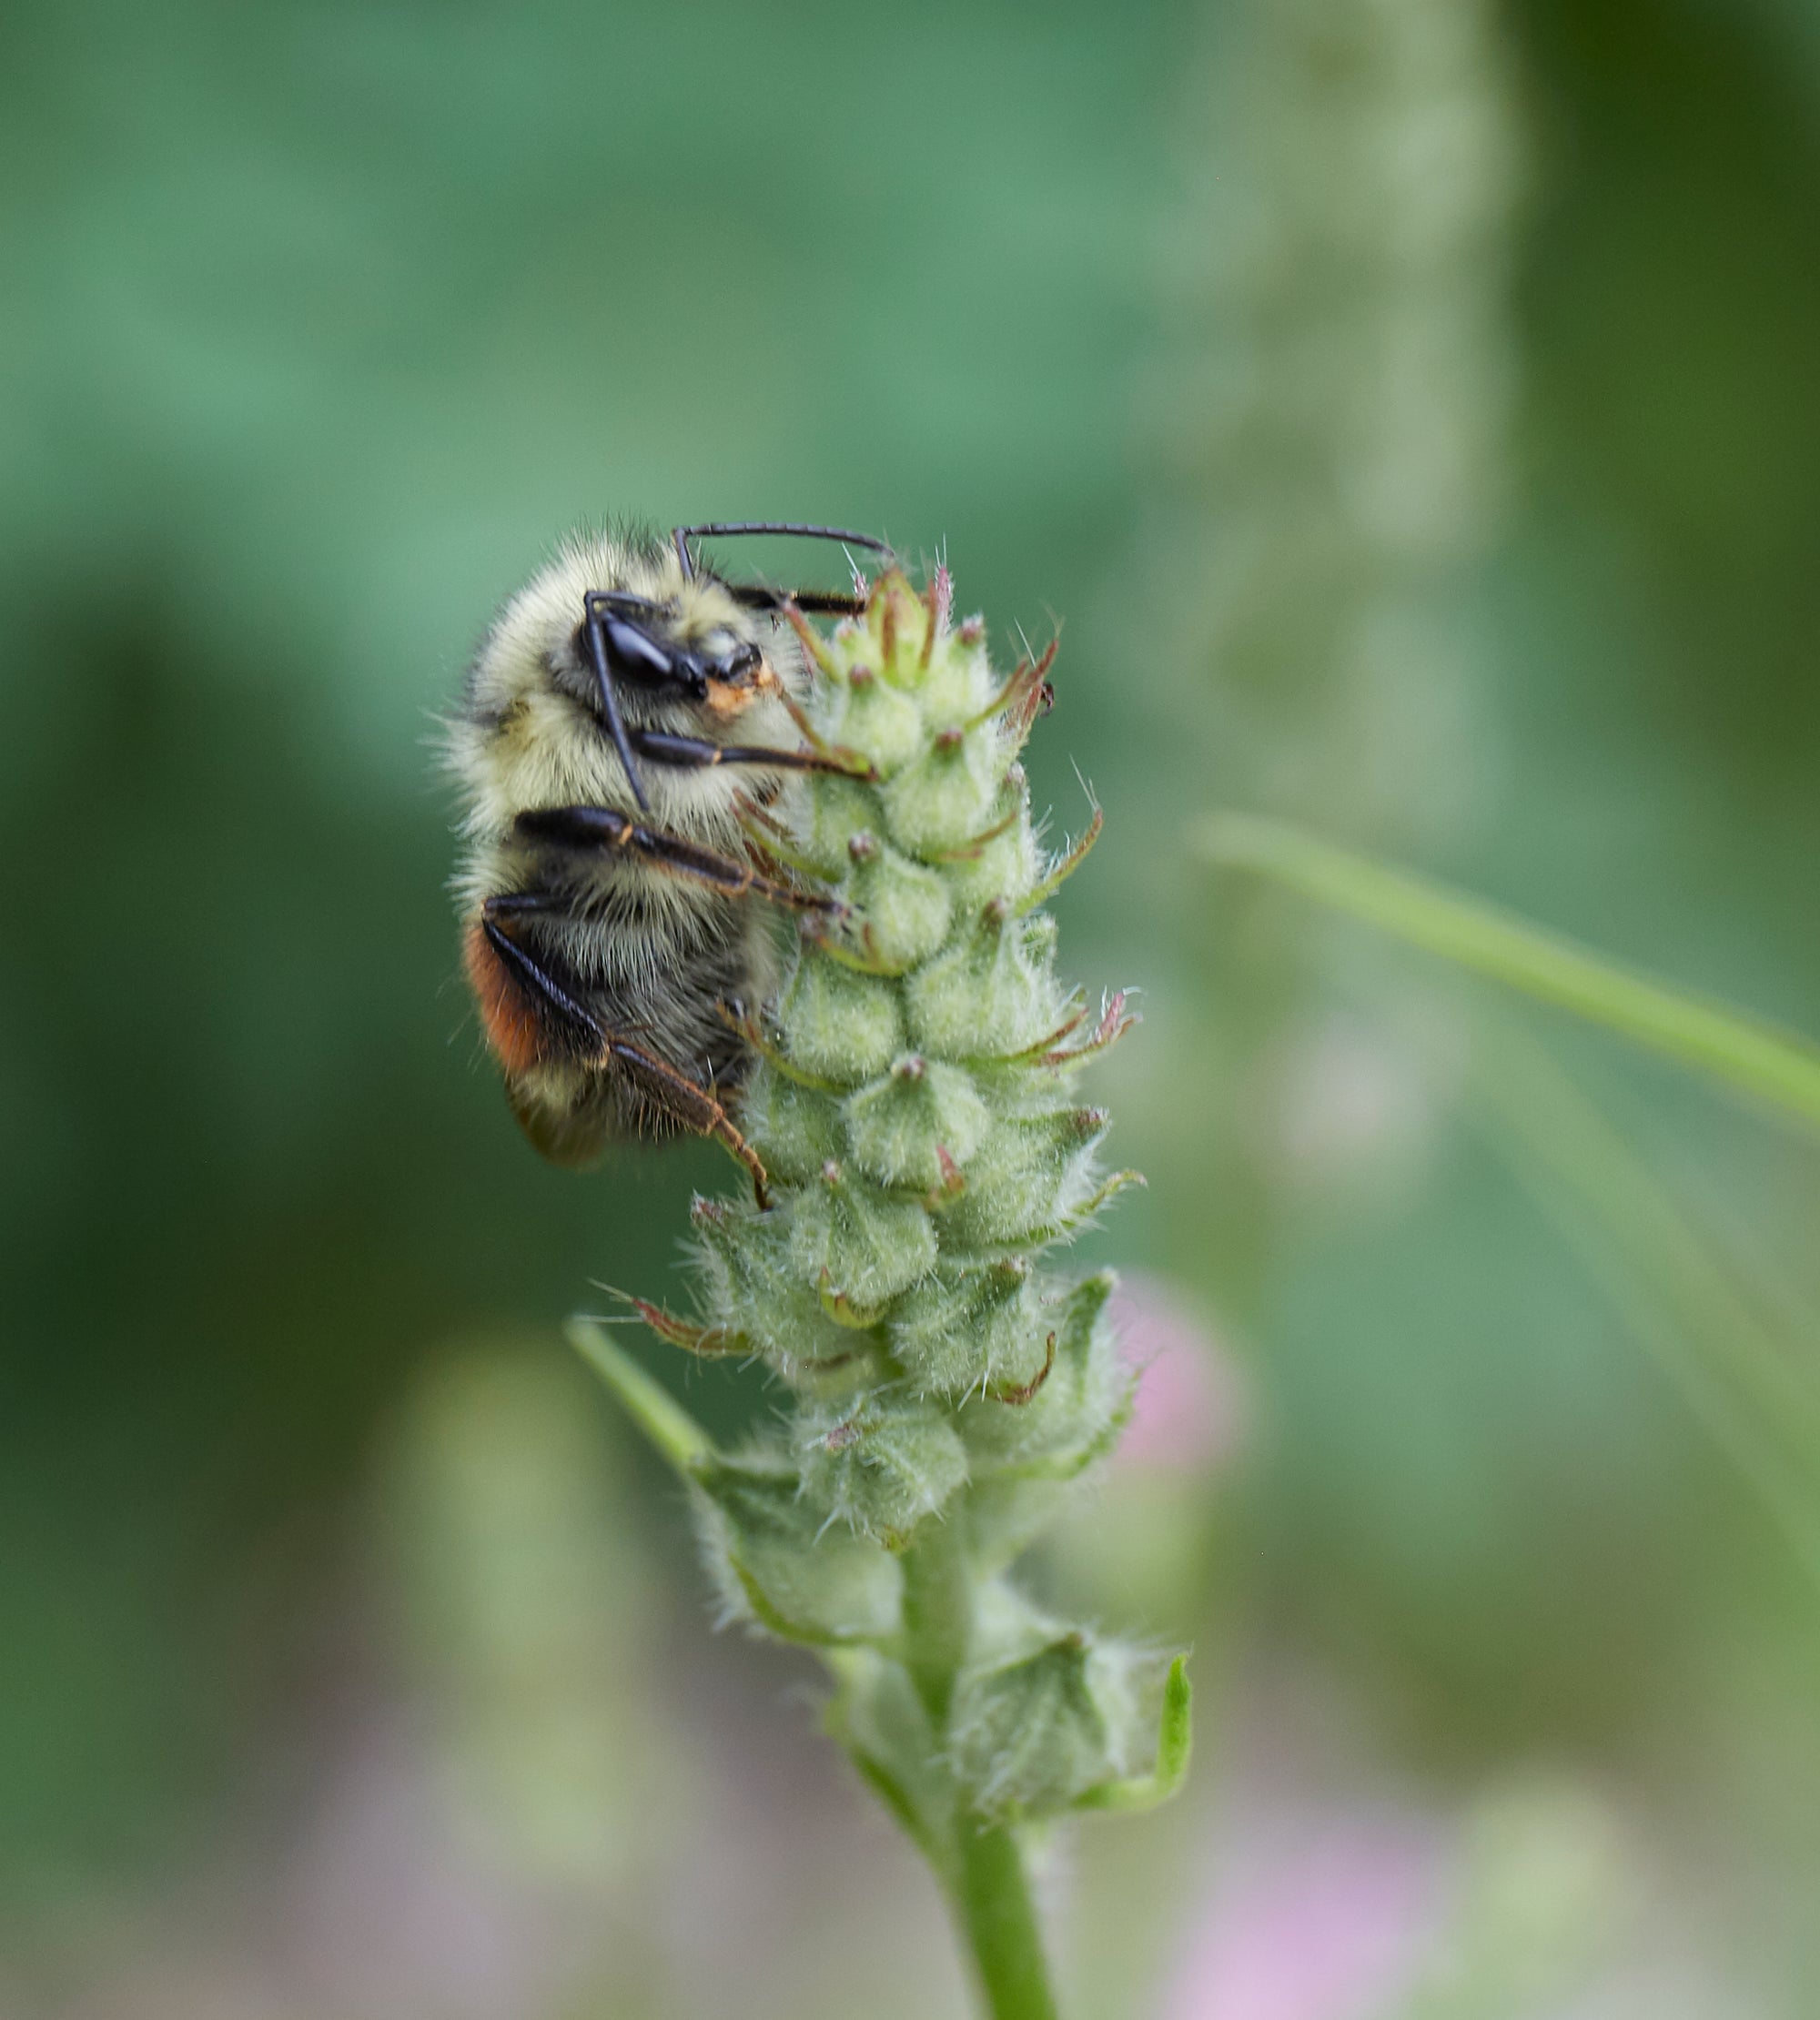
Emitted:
<point x="1190" y="1413"/>
<point x="1334" y="1929"/>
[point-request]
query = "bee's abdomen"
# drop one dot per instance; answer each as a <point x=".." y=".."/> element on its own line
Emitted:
<point x="508" y="1014"/>
<point x="658" y="975"/>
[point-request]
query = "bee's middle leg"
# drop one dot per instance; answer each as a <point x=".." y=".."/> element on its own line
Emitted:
<point x="599" y="829"/>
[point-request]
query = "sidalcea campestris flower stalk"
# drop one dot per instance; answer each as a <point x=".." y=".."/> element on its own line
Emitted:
<point x="915" y="1105"/>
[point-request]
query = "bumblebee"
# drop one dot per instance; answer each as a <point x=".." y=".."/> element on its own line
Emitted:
<point x="625" y="715"/>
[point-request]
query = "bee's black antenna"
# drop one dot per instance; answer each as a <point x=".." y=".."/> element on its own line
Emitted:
<point x="729" y="529"/>
<point x="754" y="596"/>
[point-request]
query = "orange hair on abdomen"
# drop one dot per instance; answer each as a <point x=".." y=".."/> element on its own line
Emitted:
<point x="510" y="1022"/>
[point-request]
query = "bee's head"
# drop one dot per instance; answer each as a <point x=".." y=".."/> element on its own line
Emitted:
<point x="616" y="644"/>
<point x="664" y="638"/>
<point x="695" y="645"/>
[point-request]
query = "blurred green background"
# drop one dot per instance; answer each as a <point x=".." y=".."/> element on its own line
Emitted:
<point x="1410" y="407"/>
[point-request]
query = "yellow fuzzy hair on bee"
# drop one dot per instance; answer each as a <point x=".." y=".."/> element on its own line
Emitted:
<point x="625" y="714"/>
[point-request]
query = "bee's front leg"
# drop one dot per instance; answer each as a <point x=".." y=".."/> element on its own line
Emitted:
<point x="694" y="752"/>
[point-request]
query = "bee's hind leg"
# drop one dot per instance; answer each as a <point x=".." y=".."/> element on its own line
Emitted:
<point x="583" y="1036"/>
<point x="692" y="1105"/>
<point x="600" y="829"/>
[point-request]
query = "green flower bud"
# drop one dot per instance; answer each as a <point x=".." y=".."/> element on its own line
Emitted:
<point x="900" y="1126"/>
<point x="838" y="1026"/>
<point x="893" y="635"/>
<point x="752" y="1283"/>
<point x="991" y="996"/>
<point x="851" y="1240"/>
<point x="972" y="1329"/>
<point x="800" y="1126"/>
<point x="884" y="1465"/>
<point x="1075" y="1414"/>
<point x="1001" y="866"/>
<point x="878" y="723"/>
<point x="949" y="795"/>
<point x="823" y="820"/>
<point x="1026" y="1179"/>
<point x="1030" y="1737"/>
<point x="959" y="681"/>
<point x="904" y="905"/>
<point x="778" y="1564"/>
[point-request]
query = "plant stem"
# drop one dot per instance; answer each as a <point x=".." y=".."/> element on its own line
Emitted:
<point x="987" y="1887"/>
<point x="998" y="1921"/>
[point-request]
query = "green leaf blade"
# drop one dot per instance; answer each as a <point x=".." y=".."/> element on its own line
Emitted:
<point x="1748" y="1054"/>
